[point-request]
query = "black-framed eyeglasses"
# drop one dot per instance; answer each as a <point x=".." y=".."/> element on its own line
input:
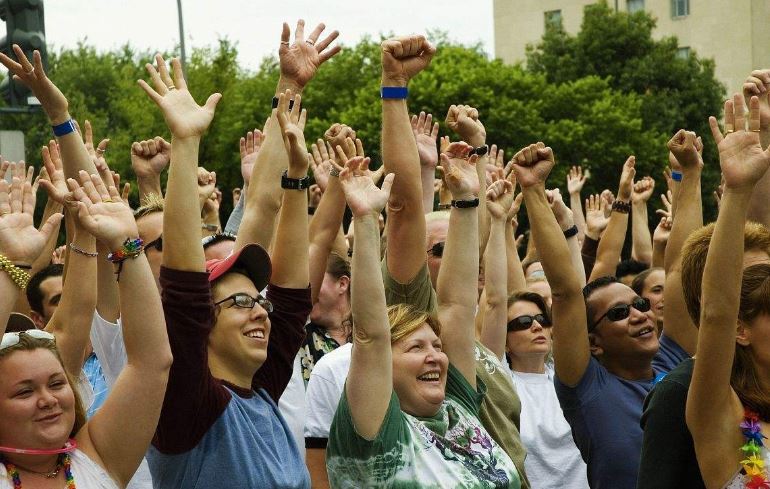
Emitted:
<point x="157" y="244"/>
<point x="437" y="249"/>
<point x="622" y="311"/>
<point x="245" y="301"/>
<point x="525" y="322"/>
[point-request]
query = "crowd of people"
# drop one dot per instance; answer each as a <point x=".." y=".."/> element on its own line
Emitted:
<point x="418" y="347"/>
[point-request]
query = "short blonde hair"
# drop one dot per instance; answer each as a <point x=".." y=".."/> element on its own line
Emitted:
<point x="150" y="203"/>
<point x="405" y="319"/>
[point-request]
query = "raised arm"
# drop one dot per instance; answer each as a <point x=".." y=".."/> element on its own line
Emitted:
<point x="187" y="122"/>
<point x="457" y="284"/>
<point x="148" y="160"/>
<point x="565" y="217"/>
<point x="758" y="84"/>
<point x="121" y="430"/>
<point x="516" y="279"/>
<point x="402" y="59"/>
<point x="425" y="136"/>
<point x="499" y="201"/>
<point x="576" y="178"/>
<point x="685" y="147"/>
<point x="570" y="339"/>
<point x="368" y="395"/>
<point x="611" y="245"/>
<point x="641" y="240"/>
<point x="712" y="406"/>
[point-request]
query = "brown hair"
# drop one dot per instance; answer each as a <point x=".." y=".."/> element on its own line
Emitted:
<point x="755" y="302"/>
<point x="150" y="203"/>
<point x="533" y="297"/>
<point x="639" y="281"/>
<point x="694" y="251"/>
<point x="337" y="267"/>
<point x="405" y="319"/>
<point x="28" y="343"/>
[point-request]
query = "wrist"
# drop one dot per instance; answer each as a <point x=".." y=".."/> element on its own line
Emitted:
<point x="287" y="83"/>
<point x="464" y="196"/>
<point x="639" y="203"/>
<point x="296" y="172"/>
<point x="565" y="223"/>
<point x="59" y="117"/>
<point x="594" y="234"/>
<point x="394" y="81"/>
<point x="476" y="140"/>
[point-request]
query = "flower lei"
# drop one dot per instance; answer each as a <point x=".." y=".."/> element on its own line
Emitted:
<point x="753" y="465"/>
<point x="65" y="462"/>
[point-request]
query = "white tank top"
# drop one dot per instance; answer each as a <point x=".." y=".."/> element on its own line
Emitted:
<point x="87" y="474"/>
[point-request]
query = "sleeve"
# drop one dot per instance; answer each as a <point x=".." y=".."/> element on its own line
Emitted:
<point x="291" y="308"/>
<point x="418" y="293"/>
<point x="669" y="355"/>
<point x="107" y="341"/>
<point x="323" y="396"/>
<point x="234" y="221"/>
<point x="460" y="390"/>
<point x="588" y="253"/>
<point x="590" y="386"/>
<point x="665" y="439"/>
<point x="194" y="399"/>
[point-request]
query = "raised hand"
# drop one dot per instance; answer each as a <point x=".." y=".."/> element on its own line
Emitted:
<point x="609" y="198"/>
<point x="362" y="195"/>
<point x="627" y="179"/>
<point x="425" y="135"/>
<point x="758" y="83"/>
<point x="291" y="123"/>
<point x="96" y="152"/>
<point x="299" y="61"/>
<point x="211" y="206"/>
<point x="459" y="171"/>
<point x="20" y="242"/>
<point x="314" y="195"/>
<point x="249" y="146"/>
<point x="500" y="198"/>
<point x="464" y="121"/>
<point x="207" y="184"/>
<point x="338" y="133"/>
<point x="150" y="157"/>
<point x="184" y="117"/>
<point x="533" y="164"/>
<point x="33" y="75"/>
<point x="741" y="156"/>
<point x="663" y="231"/>
<point x="101" y="211"/>
<point x="596" y="219"/>
<point x="321" y="163"/>
<point x="52" y="176"/>
<point x="666" y="199"/>
<point x="560" y="210"/>
<point x="576" y="179"/>
<point x="642" y="190"/>
<point x="404" y="57"/>
<point x="686" y="149"/>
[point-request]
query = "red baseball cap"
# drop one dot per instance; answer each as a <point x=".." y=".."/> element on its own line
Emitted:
<point x="252" y="258"/>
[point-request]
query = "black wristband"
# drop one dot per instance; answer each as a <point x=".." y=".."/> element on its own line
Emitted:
<point x="294" y="183"/>
<point x="275" y="103"/>
<point x="480" y="150"/>
<point x="465" y="204"/>
<point x="571" y="232"/>
<point x="621" y="206"/>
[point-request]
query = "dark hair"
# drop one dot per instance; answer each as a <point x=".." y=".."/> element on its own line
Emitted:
<point x="534" y="298"/>
<point x="592" y="287"/>
<point x="639" y="281"/>
<point x="217" y="238"/>
<point x="630" y="267"/>
<point x="34" y="294"/>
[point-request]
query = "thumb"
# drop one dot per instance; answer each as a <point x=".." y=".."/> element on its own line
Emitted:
<point x="50" y="225"/>
<point x="213" y="100"/>
<point x="387" y="184"/>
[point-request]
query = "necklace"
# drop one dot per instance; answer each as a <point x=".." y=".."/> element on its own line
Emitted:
<point x="753" y="465"/>
<point x="64" y="462"/>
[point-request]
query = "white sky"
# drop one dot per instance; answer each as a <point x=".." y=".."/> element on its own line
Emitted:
<point x="256" y="25"/>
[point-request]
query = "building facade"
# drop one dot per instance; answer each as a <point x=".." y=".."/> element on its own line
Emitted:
<point x="735" y="33"/>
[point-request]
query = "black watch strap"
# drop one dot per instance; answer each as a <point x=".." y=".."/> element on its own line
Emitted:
<point x="465" y="204"/>
<point x="480" y="150"/>
<point x="571" y="232"/>
<point x="294" y="183"/>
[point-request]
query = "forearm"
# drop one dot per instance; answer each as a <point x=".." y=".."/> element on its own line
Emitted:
<point x="10" y="292"/>
<point x="107" y="297"/>
<point x="689" y="216"/>
<point x="148" y="185"/>
<point x="641" y="244"/>
<point x="427" y="176"/>
<point x="324" y="228"/>
<point x="181" y="218"/>
<point x="495" y="289"/>
<point x="209" y="221"/>
<point x="516" y="279"/>
<point x="74" y="156"/>
<point x="577" y="214"/>
<point x="368" y="293"/>
<point x="290" y="255"/>
<point x="658" y="254"/>
<point x="481" y="210"/>
<point x="456" y="285"/>
<point x="610" y="247"/>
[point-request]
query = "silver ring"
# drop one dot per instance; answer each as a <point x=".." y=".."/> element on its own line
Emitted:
<point x="286" y="43"/>
<point x="171" y="87"/>
<point x="30" y="71"/>
<point x="310" y="41"/>
<point x="101" y="151"/>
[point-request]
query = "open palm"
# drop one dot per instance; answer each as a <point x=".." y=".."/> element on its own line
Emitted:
<point x="742" y="159"/>
<point x="362" y="195"/>
<point x="460" y="174"/>
<point x="20" y="242"/>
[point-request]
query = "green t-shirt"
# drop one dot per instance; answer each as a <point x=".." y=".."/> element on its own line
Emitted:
<point x="448" y="450"/>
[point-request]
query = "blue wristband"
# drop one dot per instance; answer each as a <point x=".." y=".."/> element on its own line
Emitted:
<point x="676" y="176"/>
<point x="394" y="92"/>
<point x="64" y="128"/>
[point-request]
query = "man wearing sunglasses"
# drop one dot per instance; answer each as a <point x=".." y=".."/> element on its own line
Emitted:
<point x="607" y="355"/>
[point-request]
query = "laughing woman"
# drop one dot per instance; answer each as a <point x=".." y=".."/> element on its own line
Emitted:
<point x="409" y="412"/>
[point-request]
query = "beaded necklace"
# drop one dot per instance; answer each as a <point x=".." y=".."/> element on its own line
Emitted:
<point x="753" y="464"/>
<point x="64" y="461"/>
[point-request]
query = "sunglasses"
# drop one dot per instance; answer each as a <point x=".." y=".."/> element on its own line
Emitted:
<point x="522" y="323"/>
<point x="157" y="244"/>
<point x="12" y="339"/>
<point x="245" y="301"/>
<point x="437" y="249"/>
<point x="622" y="311"/>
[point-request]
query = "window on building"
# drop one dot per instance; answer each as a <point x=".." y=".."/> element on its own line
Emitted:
<point x="683" y="52"/>
<point x="553" y="19"/>
<point x="680" y="8"/>
<point x="635" y="6"/>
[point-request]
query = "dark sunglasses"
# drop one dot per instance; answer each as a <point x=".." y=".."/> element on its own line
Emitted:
<point x="245" y="301"/>
<point x="437" y="249"/>
<point x="622" y="311"/>
<point x="524" y="322"/>
<point x="157" y="244"/>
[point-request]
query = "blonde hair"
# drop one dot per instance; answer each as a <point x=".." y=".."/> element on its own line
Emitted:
<point x="405" y="319"/>
<point x="150" y="203"/>
<point x="28" y="343"/>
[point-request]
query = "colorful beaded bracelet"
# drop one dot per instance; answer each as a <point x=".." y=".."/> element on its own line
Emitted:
<point x="131" y="249"/>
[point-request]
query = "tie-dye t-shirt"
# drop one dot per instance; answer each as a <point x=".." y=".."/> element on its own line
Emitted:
<point x="449" y="450"/>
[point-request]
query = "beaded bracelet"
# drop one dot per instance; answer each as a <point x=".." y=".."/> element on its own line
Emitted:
<point x="621" y="206"/>
<point x="83" y="252"/>
<point x="19" y="276"/>
<point x="131" y="249"/>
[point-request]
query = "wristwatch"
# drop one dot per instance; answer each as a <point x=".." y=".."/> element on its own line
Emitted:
<point x="479" y="150"/>
<point x="294" y="183"/>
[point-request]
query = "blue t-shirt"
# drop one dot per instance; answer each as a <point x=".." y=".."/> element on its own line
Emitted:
<point x="93" y="370"/>
<point x="604" y="411"/>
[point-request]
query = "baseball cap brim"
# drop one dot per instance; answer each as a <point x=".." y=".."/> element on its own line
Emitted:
<point x="252" y="258"/>
<point x="18" y="322"/>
